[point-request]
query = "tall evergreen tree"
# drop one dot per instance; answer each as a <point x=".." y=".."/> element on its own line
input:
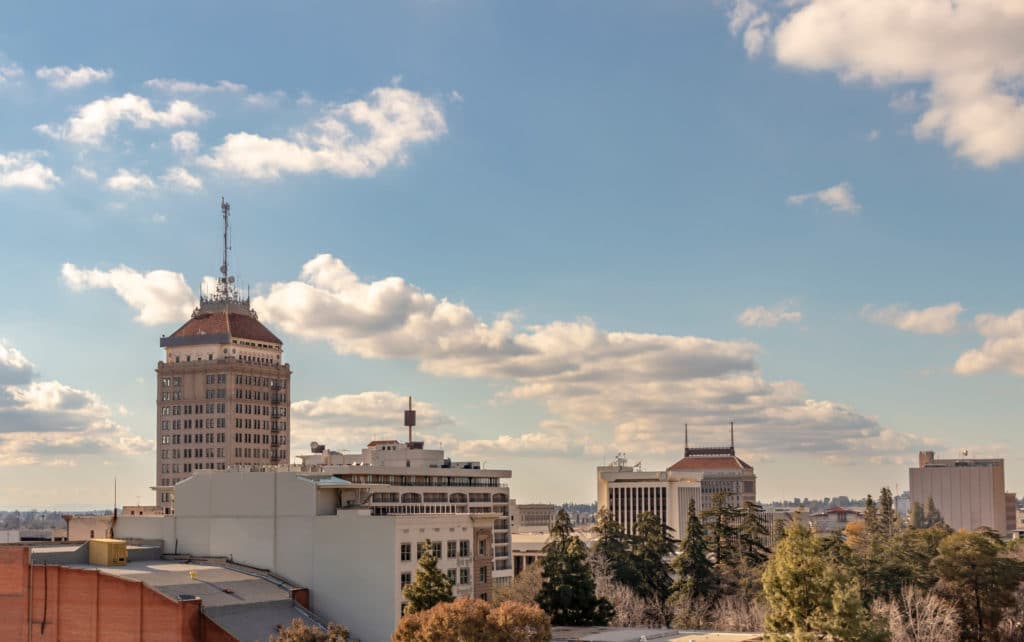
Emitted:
<point x="723" y="540"/>
<point x="612" y="546"/>
<point x="887" y="520"/>
<point x="916" y="515"/>
<point x="652" y="545"/>
<point x="932" y="516"/>
<point x="568" y="593"/>
<point x="871" y="516"/>
<point x="753" y="534"/>
<point x="695" y="572"/>
<point x="430" y="586"/>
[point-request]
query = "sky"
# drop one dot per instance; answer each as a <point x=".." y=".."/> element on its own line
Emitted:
<point x="566" y="229"/>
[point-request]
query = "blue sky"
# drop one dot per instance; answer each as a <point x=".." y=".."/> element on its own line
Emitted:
<point x="565" y="228"/>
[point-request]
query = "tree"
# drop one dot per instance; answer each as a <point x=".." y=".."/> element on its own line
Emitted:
<point x="810" y="596"/>
<point x="975" y="572"/>
<point x="300" y="631"/>
<point x="695" y="572"/>
<point x="471" y="620"/>
<point x="916" y="515"/>
<point x="430" y="586"/>
<point x="613" y="546"/>
<point x="650" y="547"/>
<point x="721" y="529"/>
<point x="567" y="591"/>
<point x="753" y="534"/>
<point x="932" y="516"/>
<point x="523" y="587"/>
<point x="887" y="520"/>
<point x="871" y="515"/>
<point x="916" y="615"/>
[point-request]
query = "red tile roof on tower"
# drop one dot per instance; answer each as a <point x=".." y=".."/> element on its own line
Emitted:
<point x="238" y="326"/>
<point x="710" y="463"/>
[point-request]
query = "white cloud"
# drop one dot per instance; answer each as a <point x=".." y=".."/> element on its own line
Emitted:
<point x="97" y="119"/>
<point x="906" y="101"/>
<point x="174" y="86"/>
<point x="351" y="421"/>
<point x="590" y="379"/>
<point x="159" y="218"/>
<point x="1003" y="348"/>
<point x="838" y="197"/>
<point x="68" y="78"/>
<point x="85" y="173"/>
<point x="21" y="169"/>
<point x="158" y="296"/>
<point x="15" y="368"/>
<point x="747" y="17"/>
<point x="269" y="99"/>
<point x="939" y="319"/>
<point x="762" y="317"/>
<point x="967" y="54"/>
<point x="185" y="142"/>
<point x="181" y="178"/>
<point x="874" y="135"/>
<point x="128" y="181"/>
<point x="42" y="422"/>
<point x="455" y="97"/>
<point x="9" y="72"/>
<point x="355" y="139"/>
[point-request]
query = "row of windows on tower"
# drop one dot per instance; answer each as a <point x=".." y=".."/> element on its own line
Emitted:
<point x="247" y="438"/>
<point x="210" y="453"/>
<point x="176" y="424"/>
<point x="263" y="361"/>
<point x="247" y="409"/>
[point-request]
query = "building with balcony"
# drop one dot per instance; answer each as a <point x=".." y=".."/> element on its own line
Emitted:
<point x="408" y="479"/>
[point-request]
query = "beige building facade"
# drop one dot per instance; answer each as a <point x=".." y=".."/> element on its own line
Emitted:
<point x="223" y="390"/>
<point x="968" y="493"/>
<point x="314" y="530"/>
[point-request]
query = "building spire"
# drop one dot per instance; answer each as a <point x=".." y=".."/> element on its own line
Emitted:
<point x="223" y="285"/>
<point x="732" y="437"/>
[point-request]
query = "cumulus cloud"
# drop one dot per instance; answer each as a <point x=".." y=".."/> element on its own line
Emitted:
<point x="15" y="368"/>
<point x="967" y="54"/>
<point x="938" y="319"/>
<point x="180" y="178"/>
<point x="185" y="142"/>
<point x="175" y="86"/>
<point x="128" y="181"/>
<point x="356" y="139"/>
<point x="21" y="169"/>
<point x="9" y="72"/>
<point x="762" y="317"/>
<point x="40" y="420"/>
<point x="86" y="173"/>
<point x="159" y="296"/>
<point x="748" y="18"/>
<point x="350" y="421"/>
<point x="838" y="197"/>
<point x="639" y="386"/>
<point x="96" y="120"/>
<point x="1003" y="348"/>
<point x="68" y="78"/>
<point x="265" y="99"/>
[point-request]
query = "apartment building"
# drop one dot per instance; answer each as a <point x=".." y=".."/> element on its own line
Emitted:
<point x="409" y="479"/>
<point x="318" y="531"/>
<point x="968" y="493"/>
<point x="223" y="390"/>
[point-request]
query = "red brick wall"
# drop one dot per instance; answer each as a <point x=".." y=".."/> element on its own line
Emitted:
<point x="84" y="605"/>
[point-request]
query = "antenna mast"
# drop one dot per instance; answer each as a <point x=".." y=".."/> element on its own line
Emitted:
<point x="410" y="418"/>
<point x="224" y="288"/>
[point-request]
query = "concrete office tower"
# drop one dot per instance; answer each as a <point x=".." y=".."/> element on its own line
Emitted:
<point x="223" y="390"/>
<point x="969" y="493"/>
<point x="628" y="491"/>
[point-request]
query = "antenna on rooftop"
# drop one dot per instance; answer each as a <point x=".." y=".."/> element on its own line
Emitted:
<point x="732" y="436"/>
<point x="686" y="437"/>
<point x="223" y="285"/>
<point x="410" y="418"/>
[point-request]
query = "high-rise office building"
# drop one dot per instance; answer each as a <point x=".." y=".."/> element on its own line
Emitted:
<point x="223" y="389"/>
<point x="968" y="493"/>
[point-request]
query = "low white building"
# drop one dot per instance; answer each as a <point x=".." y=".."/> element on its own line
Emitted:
<point x="317" y="531"/>
<point x="409" y="479"/>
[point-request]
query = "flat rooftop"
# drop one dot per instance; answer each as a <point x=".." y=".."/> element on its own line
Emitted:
<point x="249" y="606"/>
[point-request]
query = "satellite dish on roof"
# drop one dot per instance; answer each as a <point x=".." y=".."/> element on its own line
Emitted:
<point x="315" y="447"/>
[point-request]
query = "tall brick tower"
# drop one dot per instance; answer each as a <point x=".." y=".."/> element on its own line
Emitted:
<point x="223" y="389"/>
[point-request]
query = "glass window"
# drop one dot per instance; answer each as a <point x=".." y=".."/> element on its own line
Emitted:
<point x="406" y="550"/>
<point x="483" y="574"/>
<point x="406" y="579"/>
<point x="451" y="548"/>
<point x="463" y="576"/>
<point x="464" y="548"/>
<point x="451" y="575"/>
